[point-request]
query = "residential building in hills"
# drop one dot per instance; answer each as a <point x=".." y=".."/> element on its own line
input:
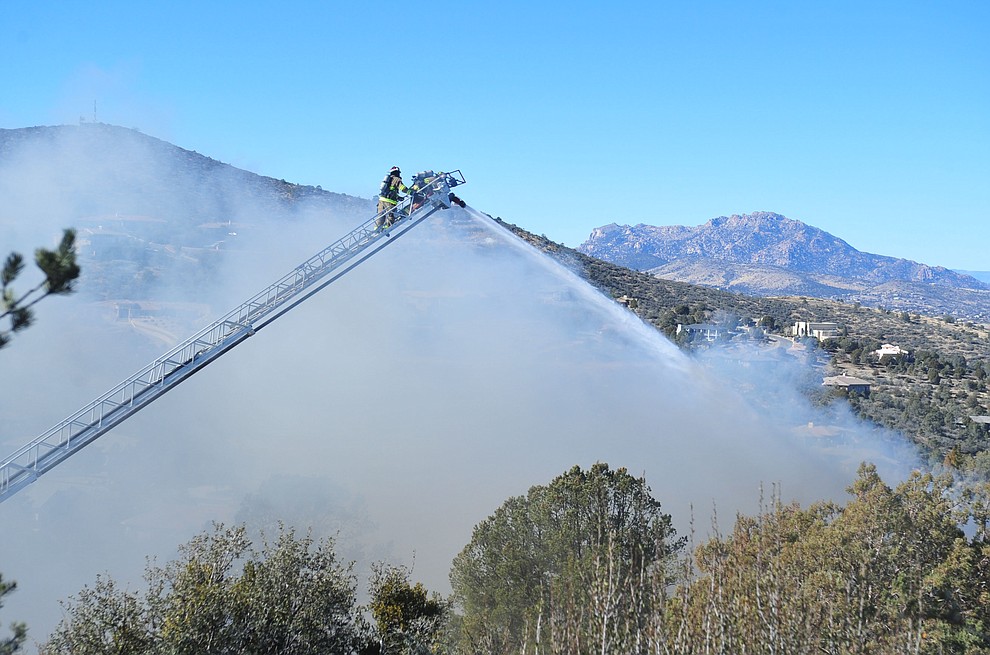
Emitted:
<point x="820" y="331"/>
<point x="888" y="352"/>
<point x="705" y="331"/>
<point x="847" y="384"/>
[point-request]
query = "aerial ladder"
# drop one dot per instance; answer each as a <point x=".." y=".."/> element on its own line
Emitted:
<point x="177" y="365"/>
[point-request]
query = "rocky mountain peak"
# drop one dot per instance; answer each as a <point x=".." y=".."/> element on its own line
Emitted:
<point x="765" y="253"/>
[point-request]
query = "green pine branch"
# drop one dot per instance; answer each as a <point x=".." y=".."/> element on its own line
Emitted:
<point x="61" y="272"/>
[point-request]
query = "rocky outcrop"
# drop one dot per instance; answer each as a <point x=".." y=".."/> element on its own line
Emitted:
<point x="768" y="254"/>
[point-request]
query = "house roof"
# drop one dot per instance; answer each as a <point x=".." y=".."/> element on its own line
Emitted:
<point x="845" y="381"/>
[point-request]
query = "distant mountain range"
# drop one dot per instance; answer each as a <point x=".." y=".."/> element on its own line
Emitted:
<point x="982" y="276"/>
<point x="766" y="254"/>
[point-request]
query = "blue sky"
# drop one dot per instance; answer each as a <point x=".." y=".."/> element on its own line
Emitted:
<point x="868" y="120"/>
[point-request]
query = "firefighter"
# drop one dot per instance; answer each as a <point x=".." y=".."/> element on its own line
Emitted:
<point x="422" y="187"/>
<point x="388" y="197"/>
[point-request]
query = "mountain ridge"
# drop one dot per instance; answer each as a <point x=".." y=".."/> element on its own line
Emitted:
<point x="123" y="170"/>
<point x="766" y="254"/>
<point x="148" y="214"/>
<point x="113" y="149"/>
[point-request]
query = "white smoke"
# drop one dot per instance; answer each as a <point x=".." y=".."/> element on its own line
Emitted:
<point x="397" y="408"/>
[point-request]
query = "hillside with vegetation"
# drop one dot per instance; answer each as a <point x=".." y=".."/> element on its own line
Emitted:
<point x="931" y="396"/>
<point x="149" y="216"/>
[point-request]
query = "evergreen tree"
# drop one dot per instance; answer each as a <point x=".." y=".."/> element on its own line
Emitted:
<point x="538" y="563"/>
<point x="221" y="596"/>
<point x="408" y="619"/>
<point x="60" y="270"/>
<point x="11" y="644"/>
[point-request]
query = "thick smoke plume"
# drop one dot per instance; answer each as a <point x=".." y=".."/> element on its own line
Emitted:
<point x="396" y="409"/>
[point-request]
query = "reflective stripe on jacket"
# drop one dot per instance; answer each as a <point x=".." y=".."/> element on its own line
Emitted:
<point x="395" y="186"/>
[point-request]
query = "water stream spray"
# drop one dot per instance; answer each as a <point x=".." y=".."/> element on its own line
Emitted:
<point x="652" y="341"/>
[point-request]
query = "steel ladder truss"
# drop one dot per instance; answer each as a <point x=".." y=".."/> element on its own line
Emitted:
<point x="150" y="383"/>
